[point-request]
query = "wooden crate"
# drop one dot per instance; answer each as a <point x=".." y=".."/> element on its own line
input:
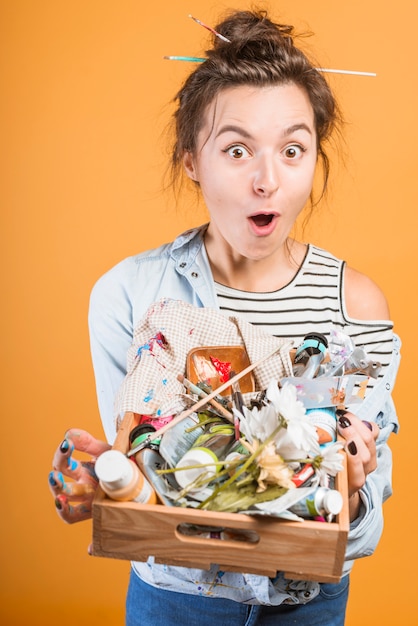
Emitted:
<point x="306" y="550"/>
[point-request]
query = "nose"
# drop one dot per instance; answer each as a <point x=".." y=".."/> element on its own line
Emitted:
<point x="266" y="177"/>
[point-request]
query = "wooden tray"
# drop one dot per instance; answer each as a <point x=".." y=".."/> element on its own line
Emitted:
<point x="306" y="550"/>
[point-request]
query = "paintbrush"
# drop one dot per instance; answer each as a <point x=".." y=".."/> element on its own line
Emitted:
<point x="238" y="403"/>
<point x="199" y="404"/>
<point x="203" y="394"/>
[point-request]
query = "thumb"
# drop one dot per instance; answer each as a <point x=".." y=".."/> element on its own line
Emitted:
<point x="85" y="442"/>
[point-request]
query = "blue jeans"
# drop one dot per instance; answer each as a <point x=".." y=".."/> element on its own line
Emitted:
<point x="151" y="606"/>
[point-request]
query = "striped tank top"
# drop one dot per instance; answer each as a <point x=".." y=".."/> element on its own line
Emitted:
<point x="312" y="302"/>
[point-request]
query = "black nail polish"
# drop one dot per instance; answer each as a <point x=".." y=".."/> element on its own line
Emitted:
<point x="64" y="446"/>
<point x="58" y="504"/>
<point x="340" y="412"/>
<point x="366" y="423"/>
<point x="344" y="422"/>
<point x="352" y="448"/>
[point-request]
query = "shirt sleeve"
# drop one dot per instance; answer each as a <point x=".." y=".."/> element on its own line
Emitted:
<point x="366" y="530"/>
<point x="111" y="330"/>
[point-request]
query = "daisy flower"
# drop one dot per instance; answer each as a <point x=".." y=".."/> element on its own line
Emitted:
<point x="328" y="461"/>
<point x="258" y="423"/>
<point x="299" y="436"/>
<point x="285" y="400"/>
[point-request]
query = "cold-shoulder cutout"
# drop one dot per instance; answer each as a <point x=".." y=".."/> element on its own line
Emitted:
<point x="363" y="298"/>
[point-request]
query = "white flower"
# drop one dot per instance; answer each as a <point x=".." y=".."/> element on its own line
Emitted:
<point x="285" y="400"/>
<point x="300" y="435"/>
<point x="328" y="461"/>
<point x="290" y="448"/>
<point x="258" y="423"/>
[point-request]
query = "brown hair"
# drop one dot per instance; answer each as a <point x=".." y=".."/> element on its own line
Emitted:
<point x="259" y="53"/>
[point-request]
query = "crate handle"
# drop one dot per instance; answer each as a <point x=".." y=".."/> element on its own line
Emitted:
<point x="196" y="533"/>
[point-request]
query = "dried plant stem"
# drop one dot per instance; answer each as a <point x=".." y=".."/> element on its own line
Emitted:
<point x="243" y="467"/>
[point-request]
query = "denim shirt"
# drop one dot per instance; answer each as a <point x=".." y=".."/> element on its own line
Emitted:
<point x="181" y="270"/>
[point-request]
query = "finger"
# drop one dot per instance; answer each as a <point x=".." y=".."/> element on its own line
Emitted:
<point x="62" y="455"/>
<point x="85" y="442"/>
<point x="54" y="483"/>
<point x="88" y="473"/>
<point x="63" y="461"/>
<point x="350" y="426"/>
<point x="70" y="513"/>
<point x="80" y="440"/>
<point x="360" y="447"/>
<point x="74" y="490"/>
<point x="355" y="468"/>
<point x="359" y="440"/>
<point x="373" y="428"/>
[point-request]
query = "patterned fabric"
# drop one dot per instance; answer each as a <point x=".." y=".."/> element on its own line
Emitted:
<point x="162" y="340"/>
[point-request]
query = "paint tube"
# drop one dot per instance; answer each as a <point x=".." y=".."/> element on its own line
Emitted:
<point x="310" y="354"/>
<point x="304" y="476"/>
<point x="322" y="502"/>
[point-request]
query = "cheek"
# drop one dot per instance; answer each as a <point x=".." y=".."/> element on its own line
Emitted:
<point x="303" y="182"/>
<point x="213" y="183"/>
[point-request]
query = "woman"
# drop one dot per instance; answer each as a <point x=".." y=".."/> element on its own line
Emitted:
<point x="251" y="125"/>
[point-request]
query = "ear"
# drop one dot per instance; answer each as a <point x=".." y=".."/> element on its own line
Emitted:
<point x="189" y="166"/>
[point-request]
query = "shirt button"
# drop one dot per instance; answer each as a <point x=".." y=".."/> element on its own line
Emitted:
<point x="195" y="274"/>
<point x="387" y="386"/>
<point x="182" y="264"/>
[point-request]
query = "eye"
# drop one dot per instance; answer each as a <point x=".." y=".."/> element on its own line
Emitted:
<point x="294" y="151"/>
<point x="237" y="152"/>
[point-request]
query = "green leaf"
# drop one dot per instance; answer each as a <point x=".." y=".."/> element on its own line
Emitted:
<point x="236" y="498"/>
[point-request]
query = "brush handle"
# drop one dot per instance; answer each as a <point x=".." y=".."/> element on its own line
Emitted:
<point x="203" y="394"/>
<point x="181" y="416"/>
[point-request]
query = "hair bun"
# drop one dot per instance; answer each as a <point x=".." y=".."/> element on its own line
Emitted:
<point x="252" y="30"/>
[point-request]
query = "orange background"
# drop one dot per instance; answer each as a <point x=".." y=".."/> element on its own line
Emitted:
<point x="84" y="93"/>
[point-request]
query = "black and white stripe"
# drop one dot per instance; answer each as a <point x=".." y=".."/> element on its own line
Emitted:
<point x="312" y="301"/>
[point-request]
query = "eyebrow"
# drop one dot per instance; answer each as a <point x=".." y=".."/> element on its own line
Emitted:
<point x="230" y="128"/>
<point x="241" y="131"/>
<point x="291" y="129"/>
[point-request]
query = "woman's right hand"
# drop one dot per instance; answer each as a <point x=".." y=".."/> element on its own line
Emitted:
<point x="82" y="483"/>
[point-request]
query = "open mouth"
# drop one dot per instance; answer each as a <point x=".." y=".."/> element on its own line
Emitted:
<point x="262" y="219"/>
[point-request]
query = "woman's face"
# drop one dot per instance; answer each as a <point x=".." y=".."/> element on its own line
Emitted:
<point x="255" y="162"/>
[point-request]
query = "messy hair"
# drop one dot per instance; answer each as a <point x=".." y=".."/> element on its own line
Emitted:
<point x="260" y="53"/>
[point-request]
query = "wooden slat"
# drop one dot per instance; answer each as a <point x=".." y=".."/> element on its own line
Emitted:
<point x="306" y="550"/>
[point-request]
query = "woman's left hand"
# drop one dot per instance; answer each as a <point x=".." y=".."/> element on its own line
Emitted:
<point x="360" y="437"/>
